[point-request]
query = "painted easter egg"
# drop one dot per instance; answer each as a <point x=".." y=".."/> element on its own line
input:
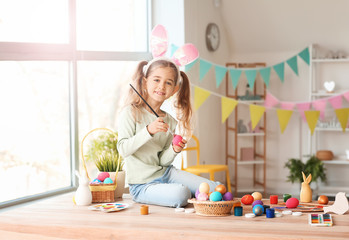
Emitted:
<point x="202" y="197"/>
<point x="96" y="180"/>
<point x="108" y="180"/>
<point x="176" y="140"/>
<point x="204" y="188"/>
<point x="292" y="202"/>
<point x="221" y="188"/>
<point x="197" y="193"/>
<point x="102" y="176"/>
<point x="257" y="196"/>
<point x="247" y="199"/>
<point x="258" y="210"/>
<point x="215" y="196"/>
<point x="322" y="199"/>
<point x="257" y="202"/>
<point x="228" y="196"/>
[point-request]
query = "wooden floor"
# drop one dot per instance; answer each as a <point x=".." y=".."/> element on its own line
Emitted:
<point x="59" y="218"/>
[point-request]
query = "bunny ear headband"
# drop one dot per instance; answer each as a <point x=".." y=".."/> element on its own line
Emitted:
<point x="159" y="45"/>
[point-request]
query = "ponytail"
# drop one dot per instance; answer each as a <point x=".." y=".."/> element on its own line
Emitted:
<point x="183" y="106"/>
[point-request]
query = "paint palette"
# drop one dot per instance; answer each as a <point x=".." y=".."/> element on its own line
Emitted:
<point x="109" y="207"/>
<point x="320" y="220"/>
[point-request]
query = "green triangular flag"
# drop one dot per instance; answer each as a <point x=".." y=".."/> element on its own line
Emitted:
<point x="292" y="62"/>
<point x="279" y="69"/>
<point x="190" y="65"/>
<point x="235" y="76"/>
<point x="251" y="77"/>
<point x="204" y="68"/>
<point x="305" y="55"/>
<point x="173" y="49"/>
<point x="220" y="73"/>
<point x="265" y="73"/>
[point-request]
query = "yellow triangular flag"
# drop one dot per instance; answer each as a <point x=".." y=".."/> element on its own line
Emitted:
<point x="343" y="115"/>
<point x="228" y="105"/>
<point x="256" y="112"/>
<point x="312" y="118"/>
<point x="284" y="117"/>
<point x="200" y="96"/>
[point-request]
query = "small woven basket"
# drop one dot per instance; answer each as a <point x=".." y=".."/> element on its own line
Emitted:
<point x="100" y="192"/>
<point x="209" y="208"/>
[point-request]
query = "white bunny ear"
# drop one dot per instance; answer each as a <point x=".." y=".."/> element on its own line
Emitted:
<point x="185" y="54"/>
<point x="158" y="41"/>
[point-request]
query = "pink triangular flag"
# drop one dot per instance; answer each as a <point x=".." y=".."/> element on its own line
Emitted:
<point x="270" y="101"/>
<point x="320" y="105"/>
<point x="346" y="95"/>
<point x="303" y="107"/>
<point x="336" y="101"/>
<point x="287" y="105"/>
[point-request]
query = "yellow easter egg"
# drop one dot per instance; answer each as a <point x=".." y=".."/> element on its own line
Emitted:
<point x="204" y="188"/>
<point x="257" y="196"/>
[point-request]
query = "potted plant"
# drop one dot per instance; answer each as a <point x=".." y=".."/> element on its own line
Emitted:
<point x="102" y="151"/>
<point x="313" y="165"/>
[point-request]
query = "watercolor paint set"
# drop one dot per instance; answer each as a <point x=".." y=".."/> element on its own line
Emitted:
<point x="320" y="220"/>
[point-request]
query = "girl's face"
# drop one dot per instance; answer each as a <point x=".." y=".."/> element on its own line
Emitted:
<point x="160" y="84"/>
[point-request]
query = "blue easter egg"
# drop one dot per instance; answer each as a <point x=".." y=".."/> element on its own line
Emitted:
<point x="215" y="196"/>
<point x="108" y="180"/>
<point x="258" y="210"/>
<point x="96" y="180"/>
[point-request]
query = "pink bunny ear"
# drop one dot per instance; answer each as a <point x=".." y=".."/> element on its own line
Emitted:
<point x="185" y="54"/>
<point x="158" y="41"/>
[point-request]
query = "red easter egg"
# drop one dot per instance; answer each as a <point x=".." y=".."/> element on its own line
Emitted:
<point x="247" y="199"/>
<point x="177" y="139"/>
<point x="102" y="176"/>
<point x="292" y="202"/>
<point x="221" y="188"/>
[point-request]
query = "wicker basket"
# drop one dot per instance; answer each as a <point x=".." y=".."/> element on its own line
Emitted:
<point x="209" y="208"/>
<point x="324" y="155"/>
<point x="100" y="192"/>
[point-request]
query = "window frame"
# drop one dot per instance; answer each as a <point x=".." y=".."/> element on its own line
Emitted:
<point x="18" y="51"/>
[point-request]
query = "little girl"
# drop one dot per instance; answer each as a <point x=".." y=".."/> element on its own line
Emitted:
<point x="145" y="142"/>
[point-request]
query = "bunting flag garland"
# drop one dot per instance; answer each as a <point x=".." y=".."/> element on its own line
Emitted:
<point x="312" y="117"/>
<point x="292" y="62"/>
<point x="173" y="49"/>
<point x="228" y="105"/>
<point x="343" y="115"/>
<point x="270" y="101"/>
<point x="320" y="105"/>
<point x="205" y="66"/>
<point x="303" y="107"/>
<point x="220" y="74"/>
<point x="346" y="95"/>
<point x="336" y="101"/>
<point x="190" y="65"/>
<point x="256" y="112"/>
<point x="200" y="96"/>
<point x="287" y="105"/>
<point x="235" y="73"/>
<point x="284" y="117"/>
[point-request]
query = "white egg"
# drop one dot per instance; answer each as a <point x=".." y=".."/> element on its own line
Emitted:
<point x="204" y="188"/>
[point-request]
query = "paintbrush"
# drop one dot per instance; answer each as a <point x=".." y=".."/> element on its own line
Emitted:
<point x="157" y="115"/>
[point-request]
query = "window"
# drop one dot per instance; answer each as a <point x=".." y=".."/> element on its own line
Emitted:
<point x="57" y="83"/>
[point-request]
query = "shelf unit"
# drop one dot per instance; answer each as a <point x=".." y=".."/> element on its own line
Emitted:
<point x="255" y="139"/>
<point x="330" y="137"/>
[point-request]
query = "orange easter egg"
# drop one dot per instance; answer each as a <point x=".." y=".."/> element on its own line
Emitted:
<point x="322" y="199"/>
<point x="221" y="188"/>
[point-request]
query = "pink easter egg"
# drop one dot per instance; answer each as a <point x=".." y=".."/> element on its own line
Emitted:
<point x="177" y="139"/>
<point x="292" y="203"/>
<point x="102" y="176"/>
<point x="202" y="197"/>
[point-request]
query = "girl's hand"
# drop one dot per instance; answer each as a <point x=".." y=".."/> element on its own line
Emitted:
<point x="157" y="126"/>
<point x="178" y="148"/>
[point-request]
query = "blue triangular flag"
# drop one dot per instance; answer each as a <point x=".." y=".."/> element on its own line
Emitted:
<point x="292" y="62"/>
<point x="265" y="73"/>
<point x="235" y="76"/>
<point x="305" y="55"/>
<point x="251" y="77"/>
<point x="173" y="49"/>
<point x="204" y="68"/>
<point x="190" y="65"/>
<point x="280" y="70"/>
<point x="220" y="73"/>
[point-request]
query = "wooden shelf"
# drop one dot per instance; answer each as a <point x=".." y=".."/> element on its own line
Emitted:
<point x="330" y="60"/>
<point x="250" y="134"/>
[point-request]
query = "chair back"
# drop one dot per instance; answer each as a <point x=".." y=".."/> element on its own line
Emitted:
<point x="196" y="148"/>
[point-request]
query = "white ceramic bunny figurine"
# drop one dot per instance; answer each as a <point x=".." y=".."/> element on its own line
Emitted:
<point x="83" y="195"/>
<point x="306" y="194"/>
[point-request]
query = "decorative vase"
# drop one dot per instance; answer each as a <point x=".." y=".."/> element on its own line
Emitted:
<point x="120" y="181"/>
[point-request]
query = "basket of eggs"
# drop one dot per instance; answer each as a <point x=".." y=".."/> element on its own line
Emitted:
<point x="217" y="203"/>
<point x="107" y="161"/>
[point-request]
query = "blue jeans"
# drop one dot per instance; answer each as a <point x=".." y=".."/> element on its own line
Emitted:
<point x="173" y="189"/>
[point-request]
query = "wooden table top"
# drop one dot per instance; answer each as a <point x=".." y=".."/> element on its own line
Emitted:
<point x="59" y="218"/>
